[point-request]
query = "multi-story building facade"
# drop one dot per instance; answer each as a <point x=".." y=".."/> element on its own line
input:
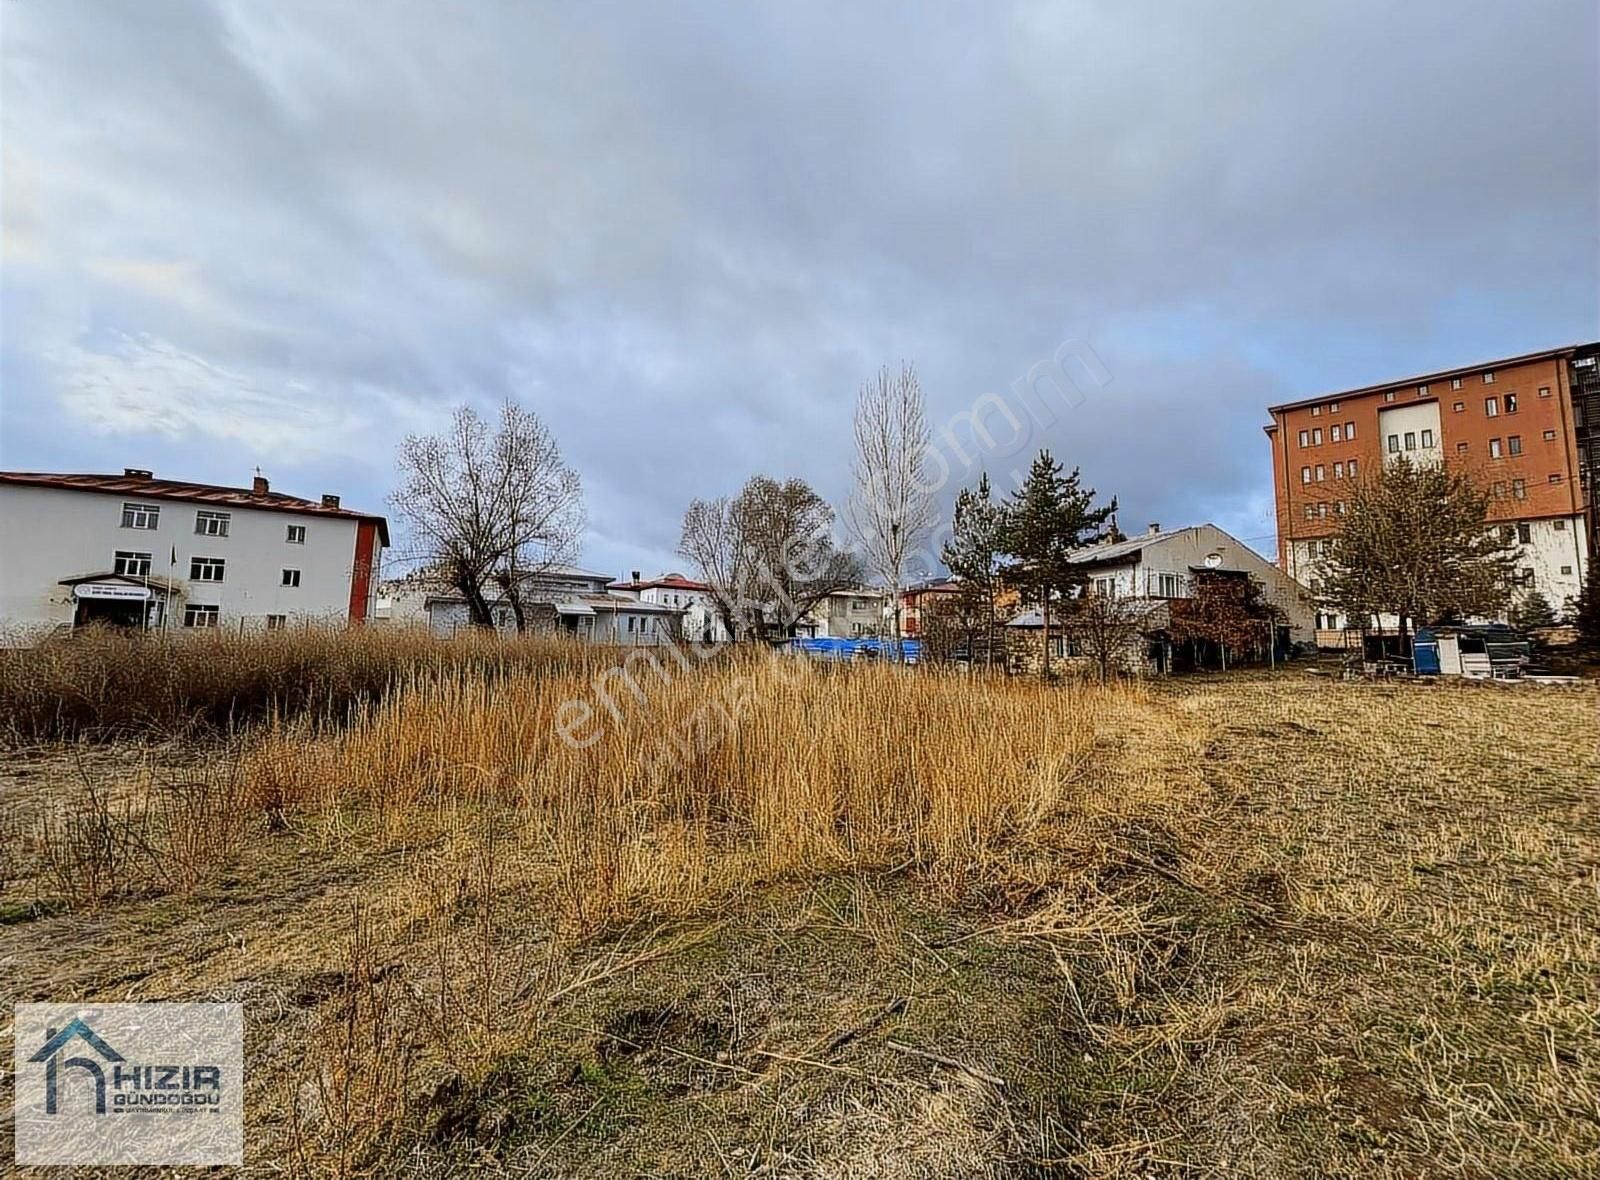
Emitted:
<point x="1528" y="427"/>
<point x="848" y="614"/>
<point x="138" y="551"/>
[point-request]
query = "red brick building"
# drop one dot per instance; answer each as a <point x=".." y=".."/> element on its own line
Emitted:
<point x="1527" y="426"/>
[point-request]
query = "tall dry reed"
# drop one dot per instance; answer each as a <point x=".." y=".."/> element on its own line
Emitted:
<point x="103" y="684"/>
<point x="706" y="780"/>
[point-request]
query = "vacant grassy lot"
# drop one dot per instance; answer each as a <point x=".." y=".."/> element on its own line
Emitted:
<point x="883" y="924"/>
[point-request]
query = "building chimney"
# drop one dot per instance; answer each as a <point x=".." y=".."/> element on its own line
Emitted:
<point x="136" y="473"/>
<point x="635" y="577"/>
<point x="258" y="485"/>
<point x="329" y="501"/>
<point x="1155" y="528"/>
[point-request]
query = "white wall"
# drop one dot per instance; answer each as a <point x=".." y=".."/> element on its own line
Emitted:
<point x="1411" y="419"/>
<point x="1554" y="546"/>
<point x="47" y="534"/>
<point x="1176" y="552"/>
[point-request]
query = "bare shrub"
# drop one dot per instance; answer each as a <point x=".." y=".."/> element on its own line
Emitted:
<point x="90" y="846"/>
<point x="354" y="1089"/>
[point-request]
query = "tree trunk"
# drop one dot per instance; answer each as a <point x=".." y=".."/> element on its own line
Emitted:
<point x="477" y="606"/>
<point x="1045" y="611"/>
<point x="512" y="589"/>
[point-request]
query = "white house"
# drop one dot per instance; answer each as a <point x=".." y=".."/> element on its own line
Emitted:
<point x="1157" y="567"/>
<point x="564" y="599"/>
<point x="701" y="622"/>
<point x="138" y="551"/>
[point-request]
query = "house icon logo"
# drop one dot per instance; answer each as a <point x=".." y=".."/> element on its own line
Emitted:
<point x="59" y="1041"/>
<point x="128" y="1084"/>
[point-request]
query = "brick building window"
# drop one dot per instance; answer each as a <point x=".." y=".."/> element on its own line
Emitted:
<point x="1459" y="406"/>
<point x="1491" y="407"/>
<point x="1514" y="444"/>
<point x="1488" y="378"/>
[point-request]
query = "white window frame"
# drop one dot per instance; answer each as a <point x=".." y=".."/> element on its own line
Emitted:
<point x="295" y="534"/>
<point x="195" y="611"/>
<point x="200" y="569"/>
<point x="144" y="517"/>
<point x="212" y="524"/>
<point x="137" y="564"/>
<point x="290" y="578"/>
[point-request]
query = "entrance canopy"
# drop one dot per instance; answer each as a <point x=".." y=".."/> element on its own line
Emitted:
<point x="110" y="587"/>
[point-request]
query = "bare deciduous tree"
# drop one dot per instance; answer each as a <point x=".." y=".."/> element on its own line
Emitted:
<point x="1415" y="542"/>
<point x="489" y="506"/>
<point x="1106" y="629"/>
<point x="891" y="512"/>
<point x="768" y="554"/>
<point x="710" y="542"/>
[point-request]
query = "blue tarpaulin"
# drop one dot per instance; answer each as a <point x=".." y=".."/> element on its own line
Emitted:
<point x="910" y="650"/>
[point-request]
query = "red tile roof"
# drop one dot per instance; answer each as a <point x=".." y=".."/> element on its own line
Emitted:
<point x="149" y="488"/>
<point x="665" y="581"/>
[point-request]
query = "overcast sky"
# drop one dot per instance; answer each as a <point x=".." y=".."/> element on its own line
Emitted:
<point x="274" y="234"/>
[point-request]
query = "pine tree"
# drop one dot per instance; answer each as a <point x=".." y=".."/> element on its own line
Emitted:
<point x="1586" y="608"/>
<point x="1046" y="520"/>
<point x="972" y="555"/>
<point x="1533" y="612"/>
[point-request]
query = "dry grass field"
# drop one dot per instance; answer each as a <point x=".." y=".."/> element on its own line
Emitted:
<point x="783" y="920"/>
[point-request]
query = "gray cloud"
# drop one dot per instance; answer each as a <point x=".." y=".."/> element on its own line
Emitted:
<point x="283" y="234"/>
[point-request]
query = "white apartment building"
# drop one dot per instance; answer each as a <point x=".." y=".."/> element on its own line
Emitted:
<point x="133" y="550"/>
